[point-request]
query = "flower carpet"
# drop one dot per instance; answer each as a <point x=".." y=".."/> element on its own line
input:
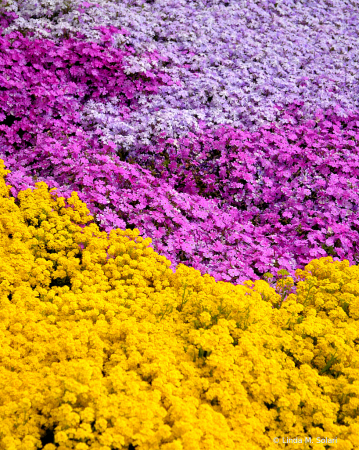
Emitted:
<point x="179" y="225"/>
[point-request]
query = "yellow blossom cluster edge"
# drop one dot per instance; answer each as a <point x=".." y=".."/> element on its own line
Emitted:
<point x="103" y="347"/>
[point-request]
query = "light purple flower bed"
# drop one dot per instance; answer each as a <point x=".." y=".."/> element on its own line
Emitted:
<point x="228" y="134"/>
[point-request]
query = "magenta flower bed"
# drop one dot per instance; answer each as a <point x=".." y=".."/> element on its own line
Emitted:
<point x="231" y="165"/>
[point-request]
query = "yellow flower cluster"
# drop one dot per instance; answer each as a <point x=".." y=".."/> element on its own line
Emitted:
<point x="103" y="347"/>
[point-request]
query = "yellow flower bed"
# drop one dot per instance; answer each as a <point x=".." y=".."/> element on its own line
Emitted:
<point x="103" y="347"/>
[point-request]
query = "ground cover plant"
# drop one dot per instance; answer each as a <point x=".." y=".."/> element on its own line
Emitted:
<point x="179" y="226"/>
<point x="230" y="202"/>
<point x="104" y="347"/>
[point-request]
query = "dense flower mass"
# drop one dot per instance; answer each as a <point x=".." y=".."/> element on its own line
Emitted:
<point x="235" y="60"/>
<point x="229" y="202"/>
<point x="179" y="224"/>
<point x="296" y="187"/>
<point x="103" y="347"/>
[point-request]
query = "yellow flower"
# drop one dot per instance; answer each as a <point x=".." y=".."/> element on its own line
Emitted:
<point x="102" y="346"/>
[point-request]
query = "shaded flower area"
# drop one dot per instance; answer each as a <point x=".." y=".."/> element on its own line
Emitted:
<point x="104" y="347"/>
